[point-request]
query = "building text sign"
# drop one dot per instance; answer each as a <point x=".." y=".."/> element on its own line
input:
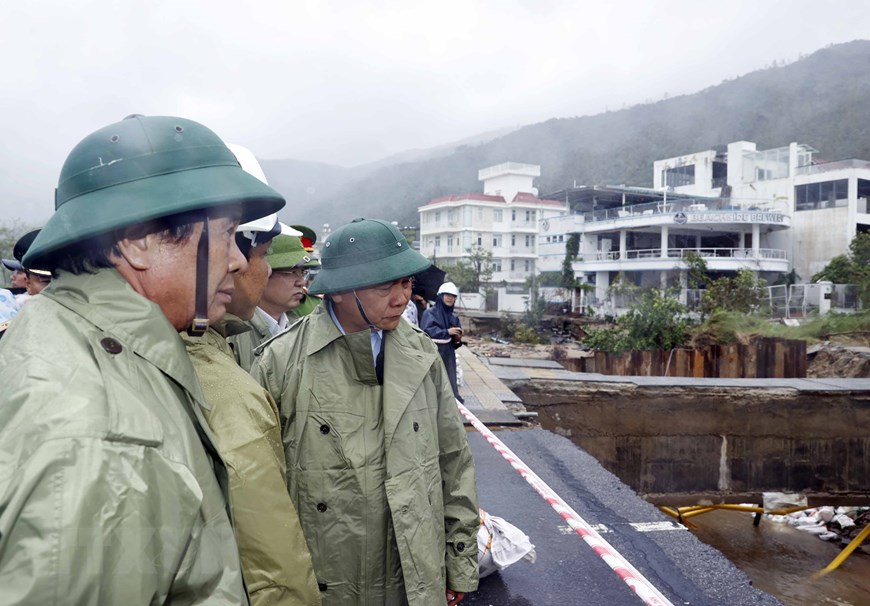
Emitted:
<point x="750" y="216"/>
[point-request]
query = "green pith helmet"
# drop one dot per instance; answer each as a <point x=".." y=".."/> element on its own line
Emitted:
<point x="144" y="168"/>
<point x="364" y="253"/>
<point x="308" y="237"/>
<point x="287" y="252"/>
<point x="20" y="250"/>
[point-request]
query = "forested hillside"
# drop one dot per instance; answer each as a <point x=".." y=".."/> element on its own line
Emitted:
<point x="822" y="100"/>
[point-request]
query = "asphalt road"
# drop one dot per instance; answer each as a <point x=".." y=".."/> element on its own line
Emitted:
<point x="567" y="571"/>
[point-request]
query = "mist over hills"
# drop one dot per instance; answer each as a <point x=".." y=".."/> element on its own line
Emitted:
<point x="822" y="100"/>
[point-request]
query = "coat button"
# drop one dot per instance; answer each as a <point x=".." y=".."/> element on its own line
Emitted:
<point x="416" y="426"/>
<point x="324" y="429"/>
<point x="460" y="546"/>
<point x="111" y="345"/>
<point x="321" y="507"/>
<point x="322" y="586"/>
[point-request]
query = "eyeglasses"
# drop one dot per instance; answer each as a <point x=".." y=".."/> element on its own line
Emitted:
<point x="296" y="273"/>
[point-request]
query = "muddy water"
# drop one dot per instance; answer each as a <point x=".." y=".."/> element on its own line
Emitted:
<point x="781" y="560"/>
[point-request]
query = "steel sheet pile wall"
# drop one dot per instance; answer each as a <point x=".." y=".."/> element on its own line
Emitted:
<point x="764" y="358"/>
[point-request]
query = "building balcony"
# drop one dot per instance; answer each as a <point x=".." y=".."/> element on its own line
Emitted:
<point x="717" y="259"/>
<point x="688" y="214"/>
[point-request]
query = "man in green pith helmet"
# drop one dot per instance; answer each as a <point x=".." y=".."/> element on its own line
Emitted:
<point x="111" y="489"/>
<point x="244" y="419"/>
<point x="284" y="293"/>
<point x="378" y="462"/>
<point x="309" y="302"/>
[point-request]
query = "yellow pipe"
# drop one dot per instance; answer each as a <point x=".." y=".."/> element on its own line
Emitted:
<point x="847" y="551"/>
<point x="697" y="512"/>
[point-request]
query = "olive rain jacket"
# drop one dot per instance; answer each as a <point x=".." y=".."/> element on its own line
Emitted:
<point x="110" y="489"/>
<point x="382" y="476"/>
<point x="244" y="343"/>
<point x="244" y="420"/>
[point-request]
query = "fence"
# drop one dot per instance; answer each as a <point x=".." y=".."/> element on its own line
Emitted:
<point x="764" y="358"/>
<point x="800" y="300"/>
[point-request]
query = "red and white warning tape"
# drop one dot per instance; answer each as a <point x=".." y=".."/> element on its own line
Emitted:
<point x="636" y="581"/>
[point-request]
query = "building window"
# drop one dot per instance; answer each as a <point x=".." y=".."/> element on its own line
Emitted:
<point x="826" y="194"/>
<point x="513" y="215"/>
<point x="480" y="213"/>
<point x="479" y="240"/>
<point x="437" y="243"/>
<point x="449" y="243"/>
<point x="497" y="216"/>
<point x="770" y="163"/>
<point x="451" y="216"/>
<point x="466" y="216"/>
<point x="437" y="216"/>
<point x="561" y="238"/>
<point x="679" y="176"/>
<point x="530" y="216"/>
<point x="496" y="265"/>
<point x="513" y="240"/>
<point x="527" y="264"/>
<point x="496" y="240"/>
<point x="513" y="264"/>
<point x="528" y="241"/>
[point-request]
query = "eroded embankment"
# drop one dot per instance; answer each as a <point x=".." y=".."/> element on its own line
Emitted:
<point x="713" y="439"/>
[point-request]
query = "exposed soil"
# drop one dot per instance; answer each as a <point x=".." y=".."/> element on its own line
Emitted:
<point x="840" y="361"/>
<point x="843" y="357"/>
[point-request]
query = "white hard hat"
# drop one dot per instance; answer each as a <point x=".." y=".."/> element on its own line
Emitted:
<point x="286" y="230"/>
<point x="268" y="224"/>
<point x="448" y="288"/>
<point x="248" y="161"/>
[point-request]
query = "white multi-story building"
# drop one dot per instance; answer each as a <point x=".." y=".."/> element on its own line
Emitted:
<point x="505" y="219"/>
<point x="768" y="211"/>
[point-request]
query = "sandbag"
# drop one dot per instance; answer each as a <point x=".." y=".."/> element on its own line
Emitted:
<point x="500" y="544"/>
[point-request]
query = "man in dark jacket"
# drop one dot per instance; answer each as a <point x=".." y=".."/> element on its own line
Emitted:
<point x="440" y="323"/>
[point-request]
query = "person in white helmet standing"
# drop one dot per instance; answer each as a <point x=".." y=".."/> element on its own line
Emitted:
<point x="440" y="323"/>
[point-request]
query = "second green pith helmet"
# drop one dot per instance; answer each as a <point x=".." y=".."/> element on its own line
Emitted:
<point x="288" y="252"/>
<point x="144" y="168"/>
<point x="364" y="253"/>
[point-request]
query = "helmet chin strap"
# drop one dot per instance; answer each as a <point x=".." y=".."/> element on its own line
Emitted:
<point x="363" y="312"/>
<point x="200" y="318"/>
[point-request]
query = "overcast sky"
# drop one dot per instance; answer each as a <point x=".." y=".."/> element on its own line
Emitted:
<point x="348" y="82"/>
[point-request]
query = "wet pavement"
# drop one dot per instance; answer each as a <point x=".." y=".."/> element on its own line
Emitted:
<point x="679" y="563"/>
<point x="567" y="571"/>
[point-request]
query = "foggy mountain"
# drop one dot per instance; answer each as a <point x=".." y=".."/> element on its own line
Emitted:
<point x="822" y="100"/>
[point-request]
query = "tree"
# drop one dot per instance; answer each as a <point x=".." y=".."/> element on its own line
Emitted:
<point x="572" y="250"/>
<point x="742" y="293"/>
<point x="839" y="270"/>
<point x="853" y="268"/>
<point x="470" y="273"/>
<point x="656" y="321"/>
<point x="696" y="270"/>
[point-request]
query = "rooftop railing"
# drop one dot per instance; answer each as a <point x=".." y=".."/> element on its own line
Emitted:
<point x="651" y="209"/>
<point x="681" y="253"/>
<point x="814" y="169"/>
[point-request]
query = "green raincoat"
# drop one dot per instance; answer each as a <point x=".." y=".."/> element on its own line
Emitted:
<point x="244" y="343"/>
<point x="382" y="477"/>
<point x="110" y="489"/>
<point x="244" y="420"/>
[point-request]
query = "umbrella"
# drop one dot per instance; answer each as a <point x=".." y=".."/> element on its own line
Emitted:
<point x="426" y="283"/>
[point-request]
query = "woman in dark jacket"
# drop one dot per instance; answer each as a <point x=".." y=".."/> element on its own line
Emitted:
<point x="444" y="327"/>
